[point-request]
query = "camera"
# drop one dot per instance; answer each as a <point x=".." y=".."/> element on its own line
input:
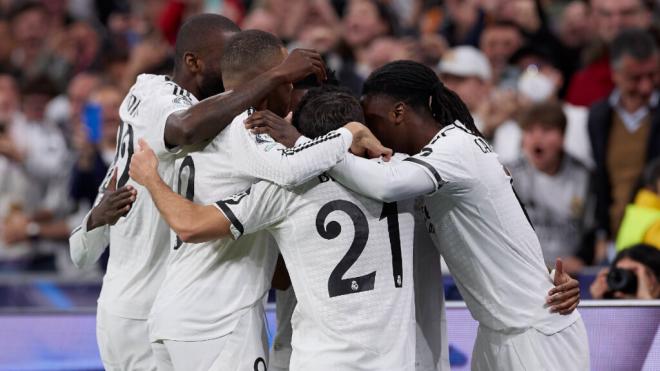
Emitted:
<point x="623" y="280"/>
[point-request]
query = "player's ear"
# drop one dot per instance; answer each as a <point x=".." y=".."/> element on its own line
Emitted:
<point x="192" y="62"/>
<point x="399" y="112"/>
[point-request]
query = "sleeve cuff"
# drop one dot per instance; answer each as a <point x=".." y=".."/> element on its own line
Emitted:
<point x="236" y="228"/>
<point x="347" y="136"/>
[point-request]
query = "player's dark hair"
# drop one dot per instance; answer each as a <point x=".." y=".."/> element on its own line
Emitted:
<point x="193" y="36"/>
<point x="247" y="49"/>
<point x="324" y="109"/>
<point x="636" y="43"/>
<point x="419" y="87"/>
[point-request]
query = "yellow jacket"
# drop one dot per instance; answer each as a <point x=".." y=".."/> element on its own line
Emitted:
<point x="641" y="221"/>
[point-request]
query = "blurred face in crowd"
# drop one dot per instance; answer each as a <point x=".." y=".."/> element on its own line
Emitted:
<point x="30" y="30"/>
<point x="543" y="146"/>
<point x="34" y="106"/>
<point x="498" y="44"/>
<point x="9" y="100"/>
<point x="362" y="23"/>
<point x="109" y="98"/>
<point x="320" y="38"/>
<point x="384" y="50"/>
<point x="471" y="89"/>
<point x="78" y="93"/>
<point x="640" y="269"/>
<point x="261" y="19"/>
<point x="609" y="17"/>
<point x="574" y="27"/>
<point x="636" y="79"/>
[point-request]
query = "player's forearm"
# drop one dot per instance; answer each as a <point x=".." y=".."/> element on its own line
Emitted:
<point x="190" y="221"/>
<point x="387" y="183"/>
<point x="210" y="116"/>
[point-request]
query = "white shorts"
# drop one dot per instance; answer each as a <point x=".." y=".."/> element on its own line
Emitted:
<point x="568" y="349"/>
<point x="244" y="349"/>
<point x="123" y="343"/>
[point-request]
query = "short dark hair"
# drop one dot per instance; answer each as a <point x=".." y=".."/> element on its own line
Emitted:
<point x="324" y="109"/>
<point x="193" y="36"/>
<point x="634" y="42"/>
<point x="249" y="49"/>
<point x="644" y="254"/>
<point x="547" y="114"/>
<point x="25" y="6"/>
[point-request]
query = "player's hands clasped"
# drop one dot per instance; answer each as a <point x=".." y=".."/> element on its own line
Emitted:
<point x="144" y="164"/>
<point x="365" y="144"/>
<point x="266" y="122"/>
<point x="114" y="204"/>
<point x="565" y="296"/>
<point x="300" y="64"/>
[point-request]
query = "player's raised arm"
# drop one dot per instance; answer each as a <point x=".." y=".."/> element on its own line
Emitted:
<point x="191" y="222"/>
<point x="288" y="167"/>
<point x="89" y="240"/>
<point x="206" y="119"/>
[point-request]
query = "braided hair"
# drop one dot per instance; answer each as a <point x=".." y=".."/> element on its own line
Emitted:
<point x="418" y="86"/>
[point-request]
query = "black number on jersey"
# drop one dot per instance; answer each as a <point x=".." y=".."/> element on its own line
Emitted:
<point x="189" y="194"/>
<point x="337" y="285"/>
<point x="258" y="363"/>
<point x="391" y="212"/>
<point x="125" y="152"/>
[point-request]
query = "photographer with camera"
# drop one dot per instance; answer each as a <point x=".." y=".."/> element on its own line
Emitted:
<point x="634" y="274"/>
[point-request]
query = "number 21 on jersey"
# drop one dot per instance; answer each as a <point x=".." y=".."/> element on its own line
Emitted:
<point x="337" y="285"/>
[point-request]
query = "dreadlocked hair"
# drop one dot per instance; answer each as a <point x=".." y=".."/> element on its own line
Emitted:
<point x="418" y="86"/>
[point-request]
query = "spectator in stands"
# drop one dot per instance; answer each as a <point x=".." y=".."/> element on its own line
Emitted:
<point x="624" y="129"/>
<point x="464" y="22"/>
<point x="13" y="182"/>
<point x="499" y="41"/>
<point x="634" y="274"/>
<point x="641" y="222"/>
<point x="364" y="21"/>
<point x="466" y="71"/>
<point x="552" y="184"/>
<point x="609" y="18"/>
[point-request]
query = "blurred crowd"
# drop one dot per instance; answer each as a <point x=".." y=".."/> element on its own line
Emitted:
<point x="566" y="92"/>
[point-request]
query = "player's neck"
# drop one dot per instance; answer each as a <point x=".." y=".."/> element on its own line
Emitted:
<point x="424" y="131"/>
<point x="187" y="82"/>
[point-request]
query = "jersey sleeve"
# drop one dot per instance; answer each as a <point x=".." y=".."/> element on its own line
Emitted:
<point x="168" y="100"/>
<point x="260" y="206"/>
<point x="387" y="182"/>
<point x="262" y="157"/>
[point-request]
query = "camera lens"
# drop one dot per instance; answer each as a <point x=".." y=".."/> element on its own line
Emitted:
<point x="623" y="280"/>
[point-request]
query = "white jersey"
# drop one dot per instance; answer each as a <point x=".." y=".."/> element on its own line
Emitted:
<point x="209" y="286"/>
<point x="350" y="262"/>
<point x="484" y="235"/>
<point x="139" y="241"/>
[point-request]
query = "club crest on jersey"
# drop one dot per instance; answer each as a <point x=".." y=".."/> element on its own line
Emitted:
<point x="183" y="100"/>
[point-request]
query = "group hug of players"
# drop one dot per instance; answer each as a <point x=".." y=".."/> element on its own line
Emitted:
<point x="210" y="184"/>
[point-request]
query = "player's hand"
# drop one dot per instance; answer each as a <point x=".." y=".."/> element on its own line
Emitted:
<point x="114" y="204"/>
<point x="565" y="296"/>
<point x="300" y="64"/>
<point x="365" y="144"/>
<point x="266" y="122"/>
<point x="144" y="164"/>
